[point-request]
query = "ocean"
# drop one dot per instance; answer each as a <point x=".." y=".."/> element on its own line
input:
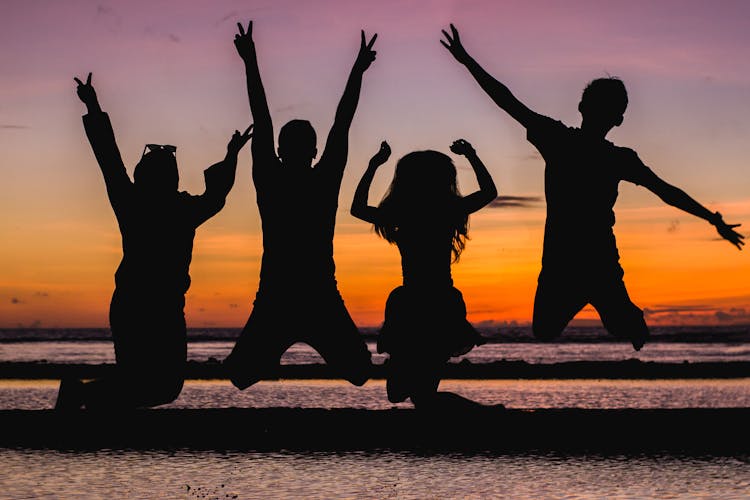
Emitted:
<point x="190" y="473"/>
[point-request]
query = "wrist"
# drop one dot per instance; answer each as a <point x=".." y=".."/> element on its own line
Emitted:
<point x="715" y="219"/>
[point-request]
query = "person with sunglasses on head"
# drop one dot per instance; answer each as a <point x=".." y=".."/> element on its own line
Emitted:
<point x="297" y="202"/>
<point x="157" y="224"/>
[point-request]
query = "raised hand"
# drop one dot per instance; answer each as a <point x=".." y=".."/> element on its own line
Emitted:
<point x="86" y="92"/>
<point x="462" y="147"/>
<point x="453" y="44"/>
<point x="239" y="140"/>
<point x="727" y="232"/>
<point x="382" y="155"/>
<point x="366" y="55"/>
<point x="244" y="41"/>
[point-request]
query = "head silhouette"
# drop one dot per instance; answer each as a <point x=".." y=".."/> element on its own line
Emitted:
<point x="424" y="185"/>
<point x="156" y="173"/>
<point x="603" y="103"/>
<point x="297" y="143"/>
<point x="422" y="176"/>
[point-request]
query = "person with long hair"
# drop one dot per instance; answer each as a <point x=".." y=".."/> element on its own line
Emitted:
<point x="426" y="217"/>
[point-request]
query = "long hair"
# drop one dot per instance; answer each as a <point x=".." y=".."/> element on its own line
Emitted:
<point x="424" y="185"/>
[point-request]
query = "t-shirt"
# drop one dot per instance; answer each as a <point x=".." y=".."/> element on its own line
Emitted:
<point x="298" y="217"/>
<point x="581" y="178"/>
<point x="157" y="234"/>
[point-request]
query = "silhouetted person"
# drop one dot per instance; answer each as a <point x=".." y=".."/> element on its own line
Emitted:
<point x="297" y="298"/>
<point x="157" y="223"/>
<point x="580" y="261"/>
<point x="424" y="214"/>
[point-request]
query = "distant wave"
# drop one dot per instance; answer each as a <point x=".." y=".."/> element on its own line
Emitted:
<point x="724" y="334"/>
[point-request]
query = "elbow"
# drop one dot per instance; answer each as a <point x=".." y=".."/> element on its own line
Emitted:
<point x="491" y="194"/>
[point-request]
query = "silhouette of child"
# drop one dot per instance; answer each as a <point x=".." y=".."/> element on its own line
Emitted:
<point x="580" y="261"/>
<point x="424" y="214"/>
<point x="297" y="202"/>
<point x="157" y="223"/>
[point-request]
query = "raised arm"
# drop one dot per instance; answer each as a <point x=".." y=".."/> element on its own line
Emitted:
<point x="102" y="139"/>
<point x="676" y="197"/>
<point x="219" y="178"/>
<point x="487" y="190"/>
<point x="360" y="209"/>
<point x="337" y="144"/>
<point x="263" y="141"/>
<point x="497" y="91"/>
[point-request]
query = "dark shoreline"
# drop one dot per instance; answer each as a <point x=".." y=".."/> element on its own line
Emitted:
<point x="730" y="334"/>
<point x="684" y="431"/>
<point x="497" y="370"/>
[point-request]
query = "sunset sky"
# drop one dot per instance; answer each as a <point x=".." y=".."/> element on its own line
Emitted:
<point x="167" y="72"/>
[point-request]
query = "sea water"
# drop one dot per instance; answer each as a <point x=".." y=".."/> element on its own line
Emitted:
<point x="189" y="474"/>
<point x="192" y="474"/>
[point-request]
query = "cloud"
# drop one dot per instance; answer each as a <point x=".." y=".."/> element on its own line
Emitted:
<point x="290" y="107"/>
<point x="674" y="225"/>
<point x="233" y="306"/>
<point x="697" y="314"/>
<point x="16" y="301"/>
<point x="41" y="294"/>
<point x="151" y="32"/>
<point x="108" y="13"/>
<point x="733" y="315"/>
<point x="10" y="126"/>
<point x="670" y="309"/>
<point x="515" y="201"/>
<point x="232" y="15"/>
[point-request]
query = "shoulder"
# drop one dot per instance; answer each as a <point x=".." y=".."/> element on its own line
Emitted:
<point x="545" y="122"/>
<point x="543" y="128"/>
<point x="631" y="167"/>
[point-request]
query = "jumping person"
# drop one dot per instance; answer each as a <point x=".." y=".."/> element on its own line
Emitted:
<point x="297" y="202"/>
<point x="425" y="216"/>
<point x="157" y="224"/>
<point x="580" y="261"/>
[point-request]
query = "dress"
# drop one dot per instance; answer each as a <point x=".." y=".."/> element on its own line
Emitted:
<point x="425" y="318"/>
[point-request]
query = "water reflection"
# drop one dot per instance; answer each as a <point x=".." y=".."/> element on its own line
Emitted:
<point x="212" y="475"/>
<point x="693" y="393"/>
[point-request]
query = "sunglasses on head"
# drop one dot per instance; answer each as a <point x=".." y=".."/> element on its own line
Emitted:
<point x="159" y="147"/>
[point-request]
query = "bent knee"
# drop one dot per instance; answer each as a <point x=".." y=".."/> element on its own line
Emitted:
<point x="163" y="391"/>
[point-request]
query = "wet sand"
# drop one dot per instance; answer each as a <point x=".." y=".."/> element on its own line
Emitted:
<point x="692" y="431"/>
<point x="627" y="369"/>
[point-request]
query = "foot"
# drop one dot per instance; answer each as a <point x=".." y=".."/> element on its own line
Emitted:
<point x="638" y="341"/>
<point x="69" y="395"/>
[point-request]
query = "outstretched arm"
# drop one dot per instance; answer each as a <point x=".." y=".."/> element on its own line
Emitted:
<point x="102" y="139"/>
<point x="678" y="198"/>
<point x="487" y="190"/>
<point x="497" y="91"/>
<point x="263" y="142"/>
<point x="219" y="179"/>
<point x="360" y="209"/>
<point x="337" y="144"/>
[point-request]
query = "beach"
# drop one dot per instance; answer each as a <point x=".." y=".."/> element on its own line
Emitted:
<point x="586" y="416"/>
